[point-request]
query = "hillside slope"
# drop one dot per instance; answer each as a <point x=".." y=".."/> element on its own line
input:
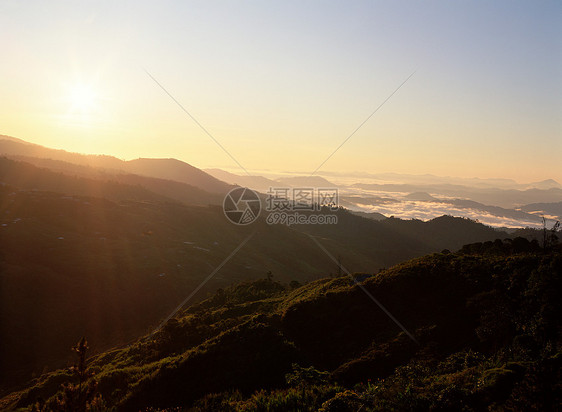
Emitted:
<point x="71" y="179"/>
<point x="486" y="327"/>
<point x="111" y="269"/>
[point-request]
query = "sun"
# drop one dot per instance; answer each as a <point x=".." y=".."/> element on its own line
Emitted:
<point x="82" y="98"/>
<point x="83" y="103"/>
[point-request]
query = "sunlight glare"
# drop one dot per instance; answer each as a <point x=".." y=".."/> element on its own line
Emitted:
<point x="83" y="98"/>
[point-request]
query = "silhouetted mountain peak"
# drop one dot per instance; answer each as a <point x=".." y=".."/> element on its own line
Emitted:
<point x="422" y="196"/>
<point x="306" y="181"/>
<point x="546" y="184"/>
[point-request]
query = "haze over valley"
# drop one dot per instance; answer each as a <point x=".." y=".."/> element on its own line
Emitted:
<point x="495" y="202"/>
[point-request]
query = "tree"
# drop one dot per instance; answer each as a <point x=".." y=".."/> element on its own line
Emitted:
<point x="550" y="239"/>
<point x="81" y="397"/>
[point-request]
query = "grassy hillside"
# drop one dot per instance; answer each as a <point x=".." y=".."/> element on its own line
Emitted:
<point x="486" y="324"/>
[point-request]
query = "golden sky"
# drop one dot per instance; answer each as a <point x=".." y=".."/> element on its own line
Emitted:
<point x="281" y="84"/>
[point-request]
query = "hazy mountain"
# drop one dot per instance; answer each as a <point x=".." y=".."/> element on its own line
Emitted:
<point x="421" y="196"/>
<point x="258" y="183"/>
<point x="263" y="184"/>
<point x="169" y="169"/>
<point x="18" y="147"/>
<point x="548" y="209"/>
<point x="306" y="181"/>
<point x="433" y="180"/>
<point x="66" y="168"/>
<point x="25" y="176"/>
<point x="546" y="184"/>
<point x="499" y="197"/>
<point x="428" y="179"/>
<point x="495" y="210"/>
<point x="172" y="169"/>
<point x="71" y="179"/>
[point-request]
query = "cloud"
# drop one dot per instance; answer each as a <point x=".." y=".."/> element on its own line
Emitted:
<point x="397" y="206"/>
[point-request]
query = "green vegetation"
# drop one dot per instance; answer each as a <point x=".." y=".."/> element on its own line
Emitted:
<point x="486" y="319"/>
<point x="90" y="253"/>
<point x="75" y="397"/>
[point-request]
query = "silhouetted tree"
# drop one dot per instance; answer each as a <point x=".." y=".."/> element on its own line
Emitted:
<point x="81" y="397"/>
<point x="550" y="239"/>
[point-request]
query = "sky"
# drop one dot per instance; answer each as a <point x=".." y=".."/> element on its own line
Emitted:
<point x="280" y="85"/>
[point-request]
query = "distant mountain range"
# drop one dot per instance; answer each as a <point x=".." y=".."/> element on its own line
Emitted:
<point x="507" y="198"/>
<point x="460" y="206"/>
<point x="258" y="183"/>
<point x="429" y="179"/>
<point x="263" y="184"/>
<point x="504" y="204"/>
<point x="502" y="198"/>
<point x="306" y="181"/>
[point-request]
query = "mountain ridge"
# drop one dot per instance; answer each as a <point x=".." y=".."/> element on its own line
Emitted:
<point x="169" y="169"/>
